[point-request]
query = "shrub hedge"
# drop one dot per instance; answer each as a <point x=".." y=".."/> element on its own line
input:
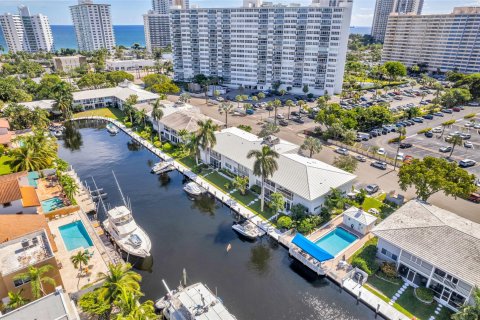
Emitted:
<point x="365" y="258"/>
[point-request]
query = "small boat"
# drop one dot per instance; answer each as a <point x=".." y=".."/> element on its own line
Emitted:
<point x="248" y="230"/>
<point x="57" y="133"/>
<point x="162" y="167"/>
<point x="194" y="302"/>
<point x="112" y="129"/>
<point x="193" y="189"/>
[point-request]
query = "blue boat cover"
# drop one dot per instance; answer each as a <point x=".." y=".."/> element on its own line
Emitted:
<point x="311" y="248"/>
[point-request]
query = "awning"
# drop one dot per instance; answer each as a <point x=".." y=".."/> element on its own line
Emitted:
<point x="311" y="248"/>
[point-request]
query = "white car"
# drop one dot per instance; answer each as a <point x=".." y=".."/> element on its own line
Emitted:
<point x="469" y="124"/>
<point x="400" y="156"/>
<point x="342" y="151"/>
<point x="468" y="144"/>
<point x="477" y="126"/>
<point x="381" y="151"/>
<point x="437" y="130"/>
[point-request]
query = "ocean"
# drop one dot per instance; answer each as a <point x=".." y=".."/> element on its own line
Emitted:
<point x="64" y="36"/>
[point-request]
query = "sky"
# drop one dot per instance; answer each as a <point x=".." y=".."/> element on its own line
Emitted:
<point x="129" y="12"/>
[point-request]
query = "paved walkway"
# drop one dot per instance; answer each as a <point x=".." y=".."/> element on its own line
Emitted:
<point x="398" y="294"/>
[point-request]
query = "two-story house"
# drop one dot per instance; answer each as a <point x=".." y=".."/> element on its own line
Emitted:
<point x="17" y="196"/>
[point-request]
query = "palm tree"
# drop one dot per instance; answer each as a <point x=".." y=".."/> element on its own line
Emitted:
<point x="15" y="300"/>
<point x="467" y="311"/>
<point x="289" y="104"/>
<point x="157" y="114"/>
<point x="129" y="111"/>
<point x="276" y="104"/>
<point x="401" y="133"/>
<point x="79" y="259"/>
<point x="118" y="278"/>
<point x="184" y="97"/>
<point x="206" y="135"/>
<point x="37" y="278"/>
<point x="140" y="116"/>
<point x="264" y="166"/>
<point x="26" y="159"/>
<point x="131" y="309"/>
<point x="313" y="145"/>
<point x="456" y="140"/>
<point x="225" y="107"/>
<point x="192" y="146"/>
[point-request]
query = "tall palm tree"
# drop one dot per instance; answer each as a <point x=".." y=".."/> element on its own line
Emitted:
<point x="206" y="135"/>
<point x="132" y="309"/>
<point x="118" y="278"/>
<point x="37" y="278"/>
<point x="79" y="259"/>
<point x="26" y="159"/>
<point x="455" y="141"/>
<point x="225" y="107"/>
<point x="157" y="114"/>
<point x="276" y="104"/>
<point x="313" y="145"/>
<point x="289" y="104"/>
<point x="264" y="166"/>
<point x="467" y="311"/>
<point x="16" y="300"/>
<point x="192" y="146"/>
<point x="129" y="111"/>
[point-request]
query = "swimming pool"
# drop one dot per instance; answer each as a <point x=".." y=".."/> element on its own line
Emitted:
<point x="52" y="204"/>
<point x="336" y="241"/>
<point x="75" y="236"/>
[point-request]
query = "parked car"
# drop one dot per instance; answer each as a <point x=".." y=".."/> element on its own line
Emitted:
<point x="283" y="122"/>
<point x="429" y="134"/>
<point x="469" y="124"/>
<point x="465" y="136"/>
<point x="445" y="149"/>
<point x="298" y="120"/>
<point x="363" y="136"/>
<point x="407" y="159"/>
<point x="361" y="158"/>
<point x="468" y="144"/>
<point x="400" y="156"/>
<point x="381" y="151"/>
<point x="418" y="120"/>
<point x="474" y="197"/>
<point x="371" y="188"/>
<point x="250" y="111"/>
<point x="449" y="111"/>
<point x="342" y="151"/>
<point x="379" y="165"/>
<point x="295" y="113"/>
<point x="405" y="145"/>
<point x="457" y="109"/>
<point x="437" y="130"/>
<point x="465" y="163"/>
<point x="428" y="117"/>
<point x="438" y="114"/>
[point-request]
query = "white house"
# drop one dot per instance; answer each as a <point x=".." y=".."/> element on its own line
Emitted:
<point x="114" y="97"/>
<point x="17" y="196"/>
<point x="129" y="65"/>
<point x="299" y="179"/>
<point x="359" y="220"/>
<point x="47" y="105"/>
<point x="434" y="248"/>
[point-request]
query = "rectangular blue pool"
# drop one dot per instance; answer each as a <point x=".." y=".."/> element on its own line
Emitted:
<point x="52" y="204"/>
<point x="75" y="236"/>
<point x="336" y="241"/>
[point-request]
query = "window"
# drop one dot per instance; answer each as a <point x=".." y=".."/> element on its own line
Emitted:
<point x="387" y="253"/>
<point x="7" y="204"/>
<point x="19" y="282"/>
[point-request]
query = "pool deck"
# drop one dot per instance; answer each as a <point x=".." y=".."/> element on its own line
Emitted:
<point x="71" y="278"/>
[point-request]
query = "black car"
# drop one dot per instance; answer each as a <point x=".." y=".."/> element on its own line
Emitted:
<point x="428" y="117"/>
<point x="429" y="134"/>
<point x="447" y="111"/>
<point x="379" y="165"/>
<point x="269" y="108"/>
<point x="283" y="123"/>
<point x="405" y="145"/>
<point x="312" y="116"/>
<point x="295" y="113"/>
<point x="298" y="120"/>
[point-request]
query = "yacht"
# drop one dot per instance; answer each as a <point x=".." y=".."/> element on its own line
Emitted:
<point x="162" y="167"/>
<point x="123" y="229"/>
<point x="112" y="129"/>
<point x="248" y="230"/>
<point x="193" y="189"/>
<point x="194" y="302"/>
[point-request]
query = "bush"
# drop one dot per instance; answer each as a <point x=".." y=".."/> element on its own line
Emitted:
<point x="256" y="189"/>
<point x="157" y="144"/>
<point x="305" y="226"/>
<point x="389" y="270"/>
<point x="298" y="211"/>
<point x="167" y="147"/>
<point x="449" y="122"/>
<point x="128" y="124"/>
<point x="469" y="116"/>
<point x="284" y="222"/>
<point x="227" y="186"/>
<point x="395" y="140"/>
<point x="227" y="173"/>
<point x="424" y="130"/>
<point x="365" y="258"/>
<point x="424" y="294"/>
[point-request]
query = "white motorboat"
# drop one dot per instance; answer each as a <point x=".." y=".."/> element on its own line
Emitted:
<point x="194" y="302"/>
<point x="112" y="129"/>
<point x="248" y="230"/>
<point x="123" y="229"/>
<point x="193" y="189"/>
<point x="162" y="167"/>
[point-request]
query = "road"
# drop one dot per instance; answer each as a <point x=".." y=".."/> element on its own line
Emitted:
<point x="387" y="180"/>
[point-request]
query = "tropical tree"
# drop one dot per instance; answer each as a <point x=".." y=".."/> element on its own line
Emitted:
<point x="335" y="200"/>
<point x="277" y="202"/>
<point x="157" y="115"/>
<point x="129" y="111"/>
<point x="192" y="146"/>
<point x="132" y="309"/>
<point x="312" y="145"/>
<point x="37" y="279"/>
<point x="225" y="108"/>
<point x="36" y="152"/>
<point x="289" y="104"/>
<point x="276" y="104"/>
<point x="241" y="183"/>
<point x="455" y="141"/>
<point x="184" y="97"/>
<point x="69" y="186"/>
<point x="240" y="98"/>
<point x="264" y="166"/>
<point x="347" y="163"/>
<point x="469" y="311"/>
<point x="79" y="259"/>
<point x="431" y="175"/>
<point x="268" y="129"/>
<point x="141" y="116"/>
<point x="206" y="135"/>
<point x="16" y="300"/>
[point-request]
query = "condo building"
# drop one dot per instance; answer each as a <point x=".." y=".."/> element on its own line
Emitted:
<point x="383" y="8"/>
<point x="93" y="26"/>
<point x="264" y="47"/>
<point x="26" y="32"/>
<point x="439" y="41"/>
<point x="157" y="22"/>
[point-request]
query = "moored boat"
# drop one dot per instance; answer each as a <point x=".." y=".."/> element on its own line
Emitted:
<point x="112" y="129"/>
<point x="193" y="189"/>
<point x="248" y="230"/>
<point x="162" y="167"/>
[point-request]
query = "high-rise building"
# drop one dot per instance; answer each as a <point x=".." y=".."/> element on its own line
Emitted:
<point x="26" y="32"/>
<point x="293" y="47"/>
<point x="436" y="41"/>
<point x="93" y="25"/>
<point x="383" y="8"/>
<point x="156" y="22"/>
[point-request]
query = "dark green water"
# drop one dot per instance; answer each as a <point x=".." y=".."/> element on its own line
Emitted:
<point x="255" y="280"/>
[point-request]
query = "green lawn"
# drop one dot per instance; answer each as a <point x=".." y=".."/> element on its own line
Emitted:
<point x="4" y="168"/>
<point x="266" y="214"/>
<point x="246" y="199"/>
<point x="113" y="113"/>
<point x="188" y="161"/>
<point x="409" y="303"/>
<point x="218" y="180"/>
<point x="370" y="203"/>
<point x="387" y="288"/>
<point x="445" y="314"/>
<point x="377" y="293"/>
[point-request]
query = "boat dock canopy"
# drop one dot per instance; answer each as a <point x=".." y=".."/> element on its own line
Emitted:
<point x="311" y="248"/>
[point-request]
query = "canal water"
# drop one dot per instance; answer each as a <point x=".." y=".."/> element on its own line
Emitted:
<point x="255" y="280"/>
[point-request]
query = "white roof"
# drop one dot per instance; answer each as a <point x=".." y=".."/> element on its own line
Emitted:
<point x="438" y="236"/>
<point x="186" y="120"/>
<point x="118" y="212"/>
<point x="359" y="215"/>
<point x="121" y="92"/>
<point x="126" y="228"/>
<point x="42" y="104"/>
<point x="306" y="177"/>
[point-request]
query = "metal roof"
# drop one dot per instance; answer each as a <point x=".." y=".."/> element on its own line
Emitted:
<point x="120" y="92"/>
<point x="438" y="236"/>
<point x="359" y="215"/>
